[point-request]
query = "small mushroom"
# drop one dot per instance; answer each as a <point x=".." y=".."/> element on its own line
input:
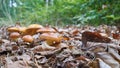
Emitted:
<point x="22" y="30"/>
<point x="51" y="38"/>
<point x="14" y="35"/>
<point x="46" y="30"/>
<point x="27" y="38"/>
<point x="31" y="30"/>
<point x="13" y="29"/>
<point x="35" y="26"/>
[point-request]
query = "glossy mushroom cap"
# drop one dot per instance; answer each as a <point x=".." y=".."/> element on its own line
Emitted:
<point x="13" y="29"/>
<point x="14" y="35"/>
<point x="31" y="30"/>
<point x="50" y="38"/>
<point x="35" y="26"/>
<point x="27" y="38"/>
<point x="22" y="30"/>
<point x="46" y="30"/>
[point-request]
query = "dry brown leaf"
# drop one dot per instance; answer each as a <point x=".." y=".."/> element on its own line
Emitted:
<point x="43" y="47"/>
<point x="108" y="59"/>
<point x="94" y="64"/>
<point x="94" y="37"/>
<point x="102" y="64"/>
<point x="114" y="54"/>
<point x="20" y="63"/>
<point x="74" y="32"/>
<point x="81" y="58"/>
<point x="116" y="35"/>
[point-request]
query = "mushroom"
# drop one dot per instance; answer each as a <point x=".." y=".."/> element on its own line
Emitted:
<point x="31" y="30"/>
<point x="22" y="30"/>
<point x="27" y="38"/>
<point x="14" y="35"/>
<point x="46" y="30"/>
<point x="13" y="29"/>
<point x="35" y="26"/>
<point x="51" y="38"/>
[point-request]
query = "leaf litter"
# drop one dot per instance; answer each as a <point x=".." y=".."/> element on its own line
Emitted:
<point x="65" y="47"/>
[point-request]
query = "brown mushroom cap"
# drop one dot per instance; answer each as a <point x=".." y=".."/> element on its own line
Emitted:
<point x="35" y="26"/>
<point x="31" y="30"/>
<point x="14" y="35"/>
<point x="13" y="29"/>
<point x="22" y="30"/>
<point x="51" y="38"/>
<point x="27" y="38"/>
<point x="46" y="30"/>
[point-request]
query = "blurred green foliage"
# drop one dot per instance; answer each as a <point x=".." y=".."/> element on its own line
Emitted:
<point x="61" y="12"/>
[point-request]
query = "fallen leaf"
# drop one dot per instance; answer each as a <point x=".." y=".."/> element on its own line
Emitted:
<point x="94" y="37"/>
<point x="108" y="59"/>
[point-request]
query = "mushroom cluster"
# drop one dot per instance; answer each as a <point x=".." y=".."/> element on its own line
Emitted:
<point x="48" y="34"/>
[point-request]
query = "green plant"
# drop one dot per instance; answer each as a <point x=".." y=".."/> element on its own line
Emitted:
<point x="61" y="12"/>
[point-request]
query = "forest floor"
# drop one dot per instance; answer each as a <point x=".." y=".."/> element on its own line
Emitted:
<point x="37" y="46"/>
